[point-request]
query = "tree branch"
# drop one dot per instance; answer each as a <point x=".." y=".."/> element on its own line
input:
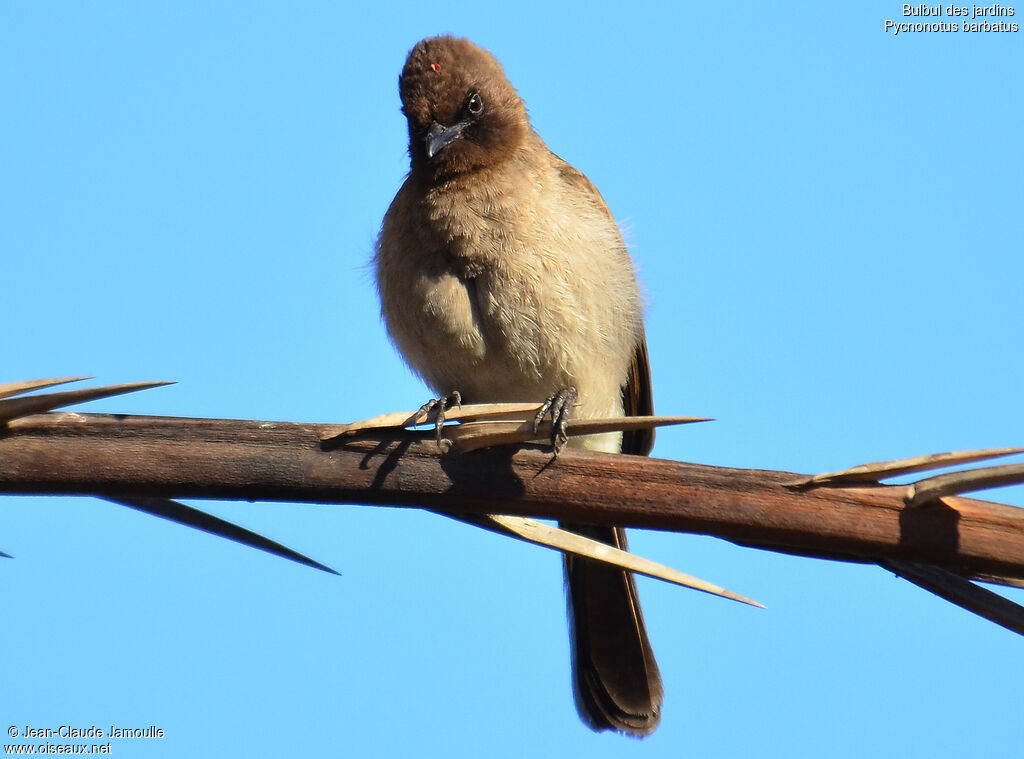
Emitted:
<point x="93" y="454"/>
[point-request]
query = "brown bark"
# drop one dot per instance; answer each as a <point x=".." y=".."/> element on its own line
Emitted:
<point x="91" y="454"/>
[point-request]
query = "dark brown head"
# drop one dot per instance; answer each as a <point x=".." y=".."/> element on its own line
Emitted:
<point x="463" y="114"/>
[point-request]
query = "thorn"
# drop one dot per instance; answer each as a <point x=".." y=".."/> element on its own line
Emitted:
<point x="562" y="540"/>
<point x="17" y="388"/>
<point x="14" y="408"/>
<point x="878" y="470"/>
<point x="966" y="481"/>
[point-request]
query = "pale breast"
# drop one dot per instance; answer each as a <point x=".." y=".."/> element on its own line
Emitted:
<point x="511" y="289"/>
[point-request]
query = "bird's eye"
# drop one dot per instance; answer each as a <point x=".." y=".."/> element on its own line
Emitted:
<point x="475" y="104"/>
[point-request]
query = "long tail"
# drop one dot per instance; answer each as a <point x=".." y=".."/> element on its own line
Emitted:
<point x="615" y="677"/>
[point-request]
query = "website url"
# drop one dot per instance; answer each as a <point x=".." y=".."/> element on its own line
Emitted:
<point x="47" y="749"/>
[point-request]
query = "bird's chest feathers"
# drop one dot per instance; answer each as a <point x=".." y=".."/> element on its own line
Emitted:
<point x="512" y="264"/>
<point x="509" y="243"/>
<point x="478" y="228"/>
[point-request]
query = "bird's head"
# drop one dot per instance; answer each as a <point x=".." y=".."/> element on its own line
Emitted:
<point x="463" y="114"/>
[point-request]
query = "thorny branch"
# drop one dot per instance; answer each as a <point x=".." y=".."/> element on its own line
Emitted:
<point x="935" y="543"/>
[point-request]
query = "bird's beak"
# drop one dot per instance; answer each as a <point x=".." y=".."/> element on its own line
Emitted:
<point x="438" y="136"/>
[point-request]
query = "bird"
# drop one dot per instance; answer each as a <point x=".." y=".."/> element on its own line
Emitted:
<point x="503" y="276"/>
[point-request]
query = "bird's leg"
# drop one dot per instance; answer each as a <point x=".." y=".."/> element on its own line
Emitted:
<point x="438" y="406"/>
<point x="560" y="407"/>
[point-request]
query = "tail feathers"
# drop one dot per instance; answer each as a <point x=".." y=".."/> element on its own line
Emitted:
<point x="615" y="676"/>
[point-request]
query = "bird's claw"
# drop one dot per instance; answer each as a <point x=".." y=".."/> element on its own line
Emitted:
<point x="438" y="406"/>
<point x="559" y="406"/>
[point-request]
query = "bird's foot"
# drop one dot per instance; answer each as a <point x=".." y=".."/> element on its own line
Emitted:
<point x="559" y="406"/>
<point x="437" y="407"/>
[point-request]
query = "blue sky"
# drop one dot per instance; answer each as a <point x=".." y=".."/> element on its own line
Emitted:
<point x="827" y="222"/>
